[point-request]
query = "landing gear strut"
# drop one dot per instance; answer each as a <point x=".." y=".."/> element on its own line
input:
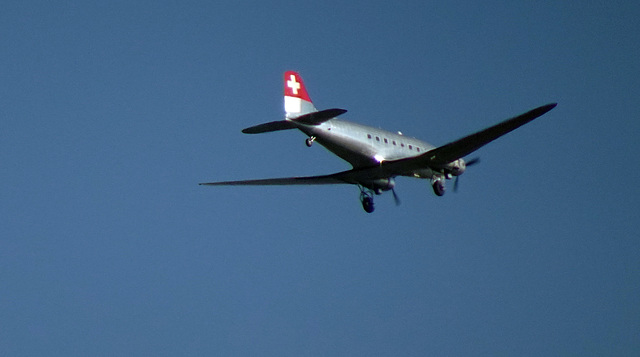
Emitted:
<point x="310" y="141"/>
<point x="366" y="197"/>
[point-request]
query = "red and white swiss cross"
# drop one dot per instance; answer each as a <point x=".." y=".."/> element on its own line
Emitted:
<point x="294" y="87"/>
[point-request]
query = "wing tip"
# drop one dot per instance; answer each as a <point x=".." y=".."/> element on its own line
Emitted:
<point x="547" y="107"/>
<point x="537" y="112"/>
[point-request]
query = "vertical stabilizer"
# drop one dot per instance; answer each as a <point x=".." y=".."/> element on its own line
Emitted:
<point x="296" y="98"/>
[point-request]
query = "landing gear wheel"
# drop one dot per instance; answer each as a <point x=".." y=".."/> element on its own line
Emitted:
<point x="367" y="204"/>
<point x="438" y="187"/>
<point x="310" y="141"/>
<point x="366" y="197"/>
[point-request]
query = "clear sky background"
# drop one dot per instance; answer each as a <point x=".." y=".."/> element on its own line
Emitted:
<point x="112" y="112"/>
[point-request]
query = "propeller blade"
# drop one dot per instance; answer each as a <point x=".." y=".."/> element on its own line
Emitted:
<point x="395" y="197"/>
<point x="473" y="161"/>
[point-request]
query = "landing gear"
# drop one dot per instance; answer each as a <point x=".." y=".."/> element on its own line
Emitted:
<point x="310" y="141"/>
<point x="438" y="186"/>
<point x="367" y="204"/>
<point x="367" y="200"/>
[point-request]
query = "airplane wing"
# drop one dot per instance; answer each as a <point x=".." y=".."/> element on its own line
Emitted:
<point x="308" y="180"/>
<point x="455" y="150"/>
<point x="353" y="177"/>
<point x="465" y="146"/>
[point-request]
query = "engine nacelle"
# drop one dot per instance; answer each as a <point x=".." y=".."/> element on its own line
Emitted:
<point x="457" y="167"/>
<point x="380" y="185"/>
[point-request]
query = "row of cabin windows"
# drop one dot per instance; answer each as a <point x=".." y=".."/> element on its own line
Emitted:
<point x="386" y="141"/>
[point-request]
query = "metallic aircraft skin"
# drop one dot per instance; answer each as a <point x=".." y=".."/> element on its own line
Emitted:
<point x="362" y="145"/>
<point x="376" y="155"/>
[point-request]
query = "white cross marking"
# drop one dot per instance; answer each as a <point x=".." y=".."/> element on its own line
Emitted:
<point x="293" y="84"/>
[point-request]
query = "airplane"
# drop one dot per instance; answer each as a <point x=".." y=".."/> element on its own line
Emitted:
<point x="377" y="156"/>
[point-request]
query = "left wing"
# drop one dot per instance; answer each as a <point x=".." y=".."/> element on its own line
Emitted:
<point x="354" y="177"/>
<point x="308" y="180"/>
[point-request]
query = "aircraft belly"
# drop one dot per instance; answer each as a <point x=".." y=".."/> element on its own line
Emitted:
<point x="354" y="144"/>
<point x="342" y="143"/>
<point x="352" y="151"/>
<point x="422" y="173"/>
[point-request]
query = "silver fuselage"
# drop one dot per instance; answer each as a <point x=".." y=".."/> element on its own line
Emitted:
<point x="364" y="146"/>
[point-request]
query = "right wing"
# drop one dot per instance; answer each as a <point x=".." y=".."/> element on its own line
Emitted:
<point x="441" y="156"/>
<point x="463" y="147"/>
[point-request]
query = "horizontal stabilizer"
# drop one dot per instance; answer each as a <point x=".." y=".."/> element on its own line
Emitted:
<point x="319" y="117"/>
<point x="314" y="118"/>
<point x="268" y="127"/>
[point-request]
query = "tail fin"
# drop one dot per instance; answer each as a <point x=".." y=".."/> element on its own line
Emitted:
<point x="296" y="98"/>
<point x="299" y="108"/>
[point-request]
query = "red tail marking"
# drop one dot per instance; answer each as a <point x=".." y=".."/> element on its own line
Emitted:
<point x="294" y="87"/>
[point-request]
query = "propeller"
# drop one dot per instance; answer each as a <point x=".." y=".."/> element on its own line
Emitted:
<point x="395" y="197"/>
<point x="471" y="162"/>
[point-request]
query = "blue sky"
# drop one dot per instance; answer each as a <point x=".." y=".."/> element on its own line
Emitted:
<point x="112" y="112"/>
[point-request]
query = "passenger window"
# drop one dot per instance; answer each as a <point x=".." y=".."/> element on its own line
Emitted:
<point x="410" y="147"/>
<point x="368" y="136"/>
<point x="377" y="138"/>
<point x="402" y="144"/>
<point x="394" y="142"/>
<point x="386" y="141"/>
<point x="418" y="149"/>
